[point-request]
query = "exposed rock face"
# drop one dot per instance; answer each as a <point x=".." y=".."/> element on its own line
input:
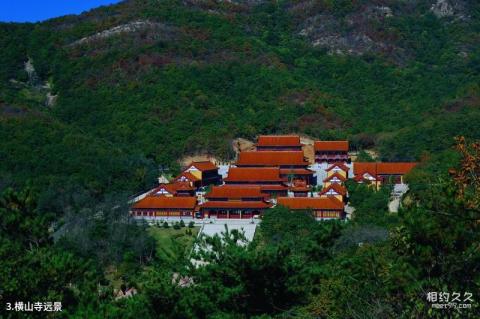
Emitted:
<point x="449" y="8"/>
<point x="131" y="27"/>
<point x="367" y="27"/>
<point x="51" y="99"/>
<point x="383" y="11"/>
<point x="442" y="9"/>
<point x="350" y="35"/>
<point x="241" y="145"/>
<point x="32" y="74"/>
<point x="352" y="44"/>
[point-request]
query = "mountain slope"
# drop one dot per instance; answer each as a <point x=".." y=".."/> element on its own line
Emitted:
<point x="155" y="80"/>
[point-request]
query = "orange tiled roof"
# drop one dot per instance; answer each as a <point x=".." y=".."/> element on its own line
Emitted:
<point x="342" y="166"/>
<point x="183" y="186"/>
<point x="167" y="187"/>
<point x="361" y="178"/>
<point x="172" y="188"/>
<point x="295" y="171"/>
<point x="340" y="177"/>
<point x="339" y="189"/>
<point x="271" y="158"/>
<point x="331" y="146"/>
<point x="273" y="187"/>
<point x="297" y="203"/>
<point x="162" y="202"/>
<point x="299" y="186"/>
<point x="235" y="191"/>
<point x="374" y="169"/>
<point x="242" y="174"/>
<point x="203" y="166"/>
<point x="236" y="204"/>
<point x="279" y="140"/>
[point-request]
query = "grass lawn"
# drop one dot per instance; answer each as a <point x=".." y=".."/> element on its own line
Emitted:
<point x="173" y="243"/>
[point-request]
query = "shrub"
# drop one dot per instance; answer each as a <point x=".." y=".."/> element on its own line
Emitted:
<point x="165" y="225"/>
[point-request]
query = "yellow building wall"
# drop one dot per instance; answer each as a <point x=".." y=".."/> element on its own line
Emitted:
<point x="340" y="172"/>
<point x="197" y="174"/>
<point x="327" y="184"/>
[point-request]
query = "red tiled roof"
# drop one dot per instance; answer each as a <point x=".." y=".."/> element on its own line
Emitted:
<point x="163" y="202"/>
<point x="235" y="191"/>
<point x="183" y="186"/>
<point x="241" y="174"/>
<point x="295" y="171"/>
<point x="236" y="204"/>
<point x="374" y="169"/>
<point x="172" y="188"/>
<point x="271" y="158"/>
<point x="202" y="166"/>
<point x="188" y="176"/>
<point x="279" y="140"/>
<point x="299" y="186"/>
<point x="339" y="189"/>
<point x="340" y="177"/>
<point x="331" y="146"/>
<point x="167" y="187"/>
<point x="359" y="168"/>
<point x="297" y="203"/>
<point x="342" y="166"/>
<point x="361" y="178"/>
<point x="395" y="168"/>
<point x="273" y="187"/>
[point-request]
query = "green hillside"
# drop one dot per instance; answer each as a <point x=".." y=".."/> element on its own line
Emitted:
<point x="91" y="105"/>
<point x="185" y="78"/>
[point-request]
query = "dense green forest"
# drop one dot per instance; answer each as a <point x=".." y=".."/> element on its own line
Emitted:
<point x="109" y="95"/>
<point x="194" y="76"/>
<point x="377" y="265"/>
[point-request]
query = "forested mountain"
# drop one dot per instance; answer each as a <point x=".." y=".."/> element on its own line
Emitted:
<point x="91" y="104"/>
<point x="142" y="83"/>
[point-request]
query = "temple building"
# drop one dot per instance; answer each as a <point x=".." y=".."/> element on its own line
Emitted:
<point x="381" y="173"/>
<point x="298" y="189"/>
<point x="337" y="191"/>
<point x="164" y="207"/>
<point x="293" y="165"/>
<point x="268" y="178"/>
<point x="279" y="143"/>
<point x="276" y="173"/>
<point x="339" y="168"/>
<point x="173" y="189"/>
<point x="322" y="208"/>
<point x="335" y="178"/>
<point x="331" y="151"/>
<point x="234" y="202"/>
<point x="205" y="171"/>
<point x="187" y="177"/>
